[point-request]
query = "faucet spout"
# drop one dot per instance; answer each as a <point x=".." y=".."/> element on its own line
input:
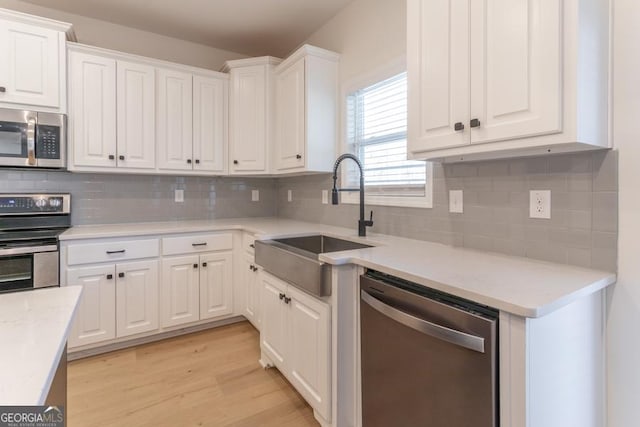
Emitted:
<point x="362" y="223"/>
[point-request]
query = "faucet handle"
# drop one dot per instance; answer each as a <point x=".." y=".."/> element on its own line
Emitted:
<point x="370" y="222"/>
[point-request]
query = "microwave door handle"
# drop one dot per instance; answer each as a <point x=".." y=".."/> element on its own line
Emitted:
<point x="31" y="142"/>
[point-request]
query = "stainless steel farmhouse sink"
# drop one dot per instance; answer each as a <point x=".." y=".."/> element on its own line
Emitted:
<point x="295" y="260"/>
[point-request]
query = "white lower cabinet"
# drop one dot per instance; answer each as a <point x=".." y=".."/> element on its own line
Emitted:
<point x="296" y="336"/>
<point x="96" y="314"/>
<point x="216" y="285"/>
<point x="180" y="290"/>
<point x="252" y="291"/>
<point x="196" y="287"/>
<point x="136" y="297"/>
<point x="118" y="300"/>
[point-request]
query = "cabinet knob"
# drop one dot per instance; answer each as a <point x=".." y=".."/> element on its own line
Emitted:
<point x="189" y="161"/>
<point x="235" y="162"/>
<point x="197" y="161"/>
<point x="121" y="274"/>
<point x="252" y="246"/>
<point x="458" y="126"/>
<point x="204" y="264"/>
<point x="195" y="265"/>
<point x="112" y="157"/>
<point x="474" y="123"/>
<point x="3" y="89"/>
<point x="121" y="157"/>
<point x="281" y="295"/>
<point x="287" y="300"/>
<point x="109" y="276"/>
<point x="298" y="156"/>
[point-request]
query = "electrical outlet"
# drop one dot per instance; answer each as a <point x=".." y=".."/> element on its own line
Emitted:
<point x="255" y="195"/>
<point x="289" y="195"/>
<point x="455" y="201"/>
<point x="540" y="204"/>
<point x="179" y="196"/>
<point x="325" y="197"/>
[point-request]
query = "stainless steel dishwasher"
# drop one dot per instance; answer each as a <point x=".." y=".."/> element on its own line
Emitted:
<point x="428" y="359"/>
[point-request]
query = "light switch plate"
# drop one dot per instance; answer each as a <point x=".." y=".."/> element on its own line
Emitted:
<point x="455" y="201"/>
<point x="540" y="204"/>
<point x="255" y="195"/>
<point x="325" y="197"/>
<point x="289" y="195"/>
<point x="179" y="196"/>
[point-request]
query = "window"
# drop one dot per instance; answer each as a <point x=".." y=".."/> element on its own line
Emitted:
<point x="376" y="131"/>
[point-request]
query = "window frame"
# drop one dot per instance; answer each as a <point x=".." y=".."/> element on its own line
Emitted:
<point x="362" y="81"/>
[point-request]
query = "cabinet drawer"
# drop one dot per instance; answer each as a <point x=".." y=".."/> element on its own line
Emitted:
<point x="247" y="242"/>
<point x="196" y="243"/>
<point x="88" y="253"/>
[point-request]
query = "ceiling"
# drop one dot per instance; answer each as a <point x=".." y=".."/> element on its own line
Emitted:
<point x="250" y="27"/>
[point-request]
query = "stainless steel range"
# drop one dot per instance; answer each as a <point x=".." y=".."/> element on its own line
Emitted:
<point x="29" y="228"/>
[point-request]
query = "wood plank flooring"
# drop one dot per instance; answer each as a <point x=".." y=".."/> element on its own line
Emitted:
<point x="209" y="378"/>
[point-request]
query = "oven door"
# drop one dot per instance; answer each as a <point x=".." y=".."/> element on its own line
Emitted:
<point x="21" y="271"/>
<point x="17" y="138"/>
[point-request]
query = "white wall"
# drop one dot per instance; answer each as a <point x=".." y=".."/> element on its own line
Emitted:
<point x="125" y="39"/>
<point x="623" y="326"/>
<point x="367" y="33"/>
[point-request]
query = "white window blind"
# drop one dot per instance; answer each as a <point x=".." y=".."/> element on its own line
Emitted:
<point x="377" y="134"/>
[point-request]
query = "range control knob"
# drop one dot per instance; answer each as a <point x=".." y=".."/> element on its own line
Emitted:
<point x="41" y="203"/>
<point x="54" y="203"/>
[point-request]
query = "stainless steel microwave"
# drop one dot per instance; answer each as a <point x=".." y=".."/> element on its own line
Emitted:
<point x="32" y="139"/>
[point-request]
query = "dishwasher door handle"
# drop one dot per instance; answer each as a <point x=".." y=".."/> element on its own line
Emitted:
<point x="443" y="333"/>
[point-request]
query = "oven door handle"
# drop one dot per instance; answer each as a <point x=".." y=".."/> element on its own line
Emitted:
<point x="31" y="142"/>
<point x="28" y="250"/>
<point x="440" y="332"/>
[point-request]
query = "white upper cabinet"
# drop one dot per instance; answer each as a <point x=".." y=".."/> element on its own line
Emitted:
<point x="175" y="119"/>
<point x="306" y="86"/>
<point x="250" y="114"/>
<point x="503" y="78"/>
<point x="92" y="110"/>
<point x="210" y="96"/>
<point x="133" y="114"/>
<point x="136" y="115"/>
<point x="33" y="66"/>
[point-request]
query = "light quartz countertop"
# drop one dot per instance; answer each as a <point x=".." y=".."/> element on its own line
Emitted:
<point x="34" y="326"/>
<point x="520" y="286"/>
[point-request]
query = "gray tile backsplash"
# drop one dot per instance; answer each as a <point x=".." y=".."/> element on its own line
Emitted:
<point x="584" y="208"/>
<point x="110" y="198"/>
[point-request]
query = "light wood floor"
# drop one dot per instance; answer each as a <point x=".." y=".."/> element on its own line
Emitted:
<point x="209" y="378"/>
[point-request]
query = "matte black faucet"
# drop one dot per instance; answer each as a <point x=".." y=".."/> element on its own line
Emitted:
<point x="362" y="223"/>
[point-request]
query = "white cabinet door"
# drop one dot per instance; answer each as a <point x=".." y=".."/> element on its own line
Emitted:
<point x="309" y="355"/>
<point x="516" y="68"/>
<point x="253" y="291"/>
<point x="174" y="120"/>
<point x="180" y="290"/>
<point x="136" y="115"/>
<point x="216" y="285"/>
<point x="210" y="124"/>
<point x="30" y="66"/>
<point x="248" y="125"/>
<point x="92" y="109"/>
<point x="96" y="314"/>
<point x="438" y="73"/>
<point x="136" y="297"/>
<point x="290" y="140"/>
<point x="274" y="317"/>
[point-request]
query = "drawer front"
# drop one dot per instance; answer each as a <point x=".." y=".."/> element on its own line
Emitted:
<point x="197" y="243"/>
<point x="89" y="253"/>
<point x="248" y="242"/>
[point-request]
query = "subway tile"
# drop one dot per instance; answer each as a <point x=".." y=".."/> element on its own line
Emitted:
<point x="604" y="259"/>
<point x="579" y="256"/>
<point x="546" y="251"/>
<point x="605" y="240"/>
<point x="493" y="168"/>
<point x="529" y="166"/>
<point x="605" y="212"/>
<point x="605" y="170"/>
